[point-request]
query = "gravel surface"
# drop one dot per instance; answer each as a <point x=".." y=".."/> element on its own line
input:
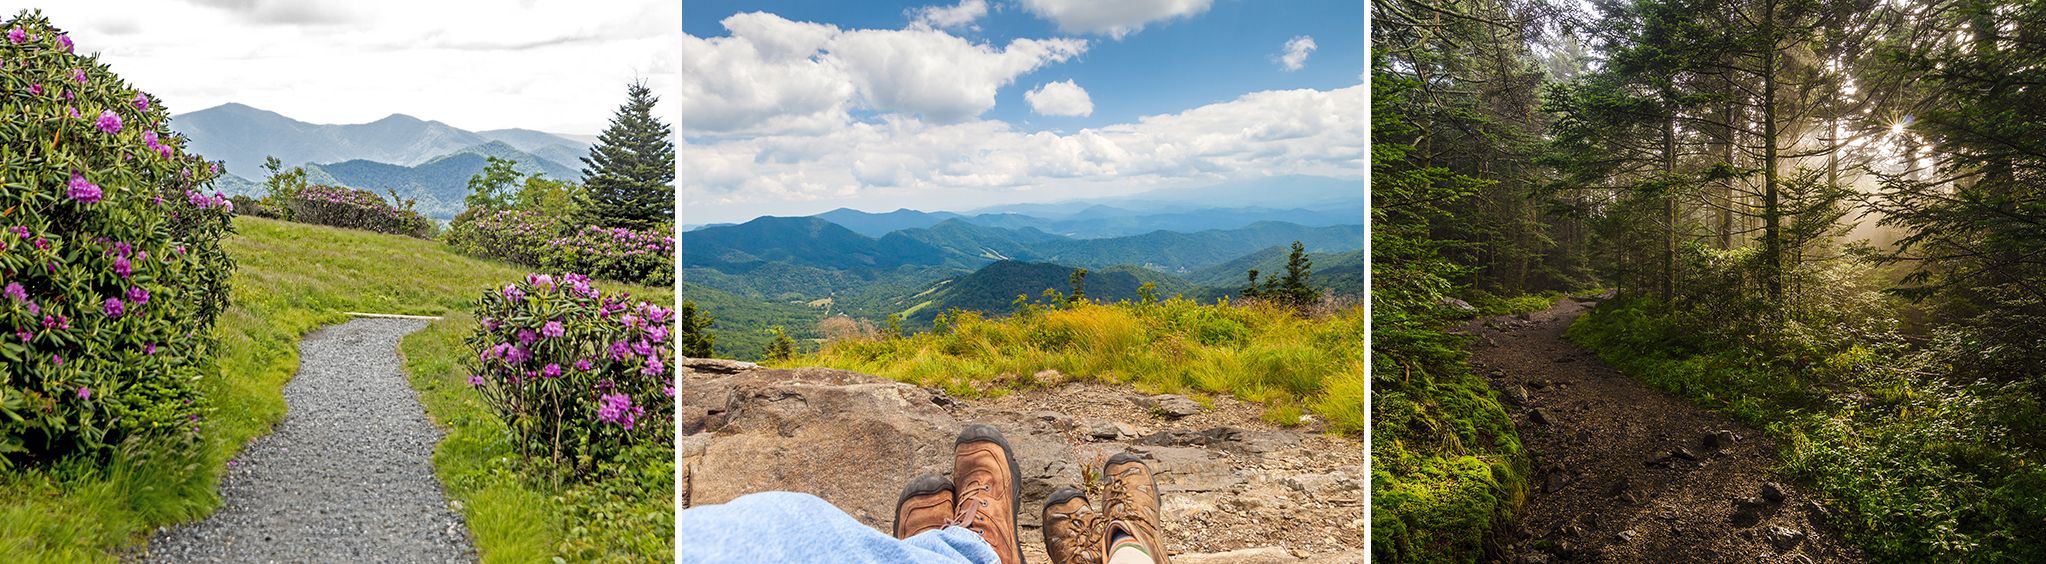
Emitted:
<point x="348" y="476"/>
<point x="1626" y="473"/>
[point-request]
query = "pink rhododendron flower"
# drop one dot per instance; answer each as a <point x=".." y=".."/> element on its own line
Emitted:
<point x="15" y="292"/>
<point x="82" y="191"/>
<point x="108" y="122"/>
<point x="84" y="393"/>
<point x="476" y="380"/>
<point x="65" y="41"/>
<point x="17" y="36"/>
<point x="112" y="307"/>
<point x="552" y="329"/>
<point x="141" y="101"/>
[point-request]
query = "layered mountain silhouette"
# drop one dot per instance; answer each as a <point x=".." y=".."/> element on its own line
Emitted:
<point x="425" y="160"/>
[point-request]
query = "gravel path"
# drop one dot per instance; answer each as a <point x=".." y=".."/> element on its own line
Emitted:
<point x="1627" y="473"/>
<point x="348" y="475"/>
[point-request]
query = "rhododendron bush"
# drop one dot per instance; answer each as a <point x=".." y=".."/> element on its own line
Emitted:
<point x="111" y="269"/>
<point x="549" y="241"/>
<point x="355" y="209"/>
<point x="576" y="374"/>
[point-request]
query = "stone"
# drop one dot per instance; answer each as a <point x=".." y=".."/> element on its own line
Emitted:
<point x="1104" y="430"/>
<point x="716" y="366"/>
<point x="1459" y="305"/>
<point x="1315" y="484"/>
<point x="1170" y="406"/>
<point x="1684" y="453"/>
<point x="1747" y="512"/>
<point x="1048" y="377"/>
<point x="1538" y="416"/>
<point x="1773" y="492"/>
<point x="1629" y="535"/>
<point x="1720" y="439"/>
<point x="1055" y="420"/>
<point x="1516" y="395"/>
<point x="1783" y="538"/>
<point x="1554" y="482"/>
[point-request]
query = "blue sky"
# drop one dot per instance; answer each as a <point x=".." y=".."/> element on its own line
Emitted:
<point x="806" y="106"/>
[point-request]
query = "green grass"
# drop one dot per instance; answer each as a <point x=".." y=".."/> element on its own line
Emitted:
<point x="1259" y="354"/>
<point x="1925" y="469"/>
<point x="1490" y="304"/>
<point x="291" y="279"/>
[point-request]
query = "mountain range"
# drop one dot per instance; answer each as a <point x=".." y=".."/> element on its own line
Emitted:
<point x="425" y="160"/>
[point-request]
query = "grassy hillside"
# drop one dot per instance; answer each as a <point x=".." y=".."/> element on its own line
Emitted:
<point x="993" y="290"/>
<point x="741" y="323"/>
<point x="1256" y="353"/>
<point x="1339" y="271"/>
<point x="291" y="279"/>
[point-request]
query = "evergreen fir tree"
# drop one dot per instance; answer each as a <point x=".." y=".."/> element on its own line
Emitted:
<point x="1293" y="288"/>
<point x="1079" y="281"/>
<point x="782" y="347"/>
<point x="631" y="171"/>
<point x="697" y="341"/>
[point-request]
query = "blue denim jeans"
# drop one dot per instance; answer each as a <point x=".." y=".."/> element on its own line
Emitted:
<point x="796" y="527"/>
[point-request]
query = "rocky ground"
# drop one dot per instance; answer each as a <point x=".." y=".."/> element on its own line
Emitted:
<point x="1236" y="489"/>
<point x="1626" y="473"/>
<point x="347" y="477"/>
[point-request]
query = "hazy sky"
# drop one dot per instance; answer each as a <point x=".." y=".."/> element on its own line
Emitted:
<point x="800" y="106"/>
<point x="550" y="65"/>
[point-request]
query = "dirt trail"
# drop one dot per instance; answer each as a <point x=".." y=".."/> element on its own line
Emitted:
<point x="1236" y="489"/>
<point x="1627" y="473"/>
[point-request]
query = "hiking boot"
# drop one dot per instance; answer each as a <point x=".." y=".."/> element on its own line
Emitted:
<point x="1072" y="529"/>
<point x="1130" y="504"/>
<point x="985" y="473"/>
<point x="926" y="504"/>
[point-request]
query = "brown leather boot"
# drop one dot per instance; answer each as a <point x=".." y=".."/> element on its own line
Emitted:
<point x="1130" y="504"/>
<point x="1072" y="529"/>
<point x="926" y="504"/>
<point x="985" y="473"/>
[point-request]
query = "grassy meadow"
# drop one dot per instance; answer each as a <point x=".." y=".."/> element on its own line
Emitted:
<point x="1293" y="365"/>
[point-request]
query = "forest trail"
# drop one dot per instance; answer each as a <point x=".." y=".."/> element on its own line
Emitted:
<point x="348" y="475"/>
<point x="1627" y="473"/>
<point x="1235" y="488"/>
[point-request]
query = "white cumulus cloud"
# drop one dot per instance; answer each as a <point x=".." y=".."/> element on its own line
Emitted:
<point x="773" y="75"/>
<point x="1062" y="98"/>
<point x="1114" y="18"/>
<point x="1296" y="52"/>
<point x="956" y="16"/>
<point x="904" y="161"/>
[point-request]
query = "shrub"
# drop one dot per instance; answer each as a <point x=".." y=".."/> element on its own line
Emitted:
<point x="244" y="205"/>
<point x="111" y="270"/>
<point x="578" y="376"/>
<point x="354" y="209"/>
<point x="548" y="241"/>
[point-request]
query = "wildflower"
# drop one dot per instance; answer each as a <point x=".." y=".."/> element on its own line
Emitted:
<point x="620" y="351"/>
<point x="518" y="355"/>
<point x="65" y="40"/>
<point x="540" y="280"/>
<point x="78" y="75"/>
<point x="149" y="349"/>
<point x="657" y="333"/>
<point x="476" y="380"/>
<point x="141" y="101"/>
<point x="14" y="291"/>
<point x="527" y="337"/>
<point x="513" y="293"/>
<point x="84" y="393"/>
<point x="122" y="267"/>
<point x="73" y="110"/>
<point x="617" y="409"/>
<point x="82" y="191"/>
<point x="138" y="295"/>
<point x="552" y="370"/>
<point x="108" y="122"/>
<point x="668" y="391"/>
<point x="489" y="324"/>
<point x="35" y="88"/>
<point x="583" y="365"/>
<point x="653" y="367"/>
<point x="17" y="36"/>
<point x="58" y="360"/>
<point x="552" y="329"/>
<point x="112" y="307"/>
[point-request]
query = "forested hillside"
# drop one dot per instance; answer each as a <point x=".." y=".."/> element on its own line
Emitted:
<point x="1824" y="218"/>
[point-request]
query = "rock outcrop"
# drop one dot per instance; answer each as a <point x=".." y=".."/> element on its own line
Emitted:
<point x="1234" y="486"/>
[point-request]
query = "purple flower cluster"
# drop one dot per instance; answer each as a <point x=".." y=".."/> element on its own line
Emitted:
<point x="82" y="191"/>
<point x="108" y="122"/>
<point x="557" y="354"/>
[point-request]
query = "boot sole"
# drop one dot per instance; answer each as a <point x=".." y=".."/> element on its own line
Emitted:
<point x="978" y="433"/>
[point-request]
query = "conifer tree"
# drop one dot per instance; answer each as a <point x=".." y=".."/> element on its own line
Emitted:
<point x="782" y="347"/>
<point x="697" y="341"/>
<point x="631" y="171"/>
